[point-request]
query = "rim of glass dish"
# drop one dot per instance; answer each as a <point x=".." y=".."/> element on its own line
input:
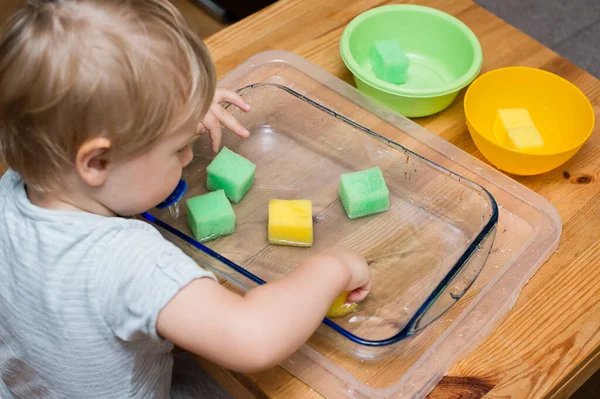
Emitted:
<point x="409" y="329"/>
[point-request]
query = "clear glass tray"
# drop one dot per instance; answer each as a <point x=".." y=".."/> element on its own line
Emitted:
<point x="426" y="252"/>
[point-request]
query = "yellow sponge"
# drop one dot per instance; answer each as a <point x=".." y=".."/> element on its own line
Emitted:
<point x="513" y="127"/>
<point x="340" y="307"/>
<point x="290" y="222"/>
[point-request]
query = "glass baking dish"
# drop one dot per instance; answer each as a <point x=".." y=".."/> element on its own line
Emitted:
<point x="527" y="233"/>
<point x="424" y="252"/>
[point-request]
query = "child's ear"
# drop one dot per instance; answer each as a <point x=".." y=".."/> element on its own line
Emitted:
<point x="91" y="161"/>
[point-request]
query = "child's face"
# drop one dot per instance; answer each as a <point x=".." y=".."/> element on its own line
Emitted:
<point x="141" y="183"/>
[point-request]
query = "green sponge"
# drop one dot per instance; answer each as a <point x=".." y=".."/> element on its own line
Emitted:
<point x="389" y="62"/>
<point x="210" y="216"/>
<point x="364" y="193"/>
<point x="230" y="172"/>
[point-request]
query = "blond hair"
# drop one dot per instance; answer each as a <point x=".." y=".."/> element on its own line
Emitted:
<point x="71" y="70"/>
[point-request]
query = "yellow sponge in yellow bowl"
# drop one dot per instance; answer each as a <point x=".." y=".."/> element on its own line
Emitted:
<point x="514" y="128"/>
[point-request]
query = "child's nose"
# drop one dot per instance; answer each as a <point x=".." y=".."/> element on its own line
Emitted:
<point x="186" y="157"/>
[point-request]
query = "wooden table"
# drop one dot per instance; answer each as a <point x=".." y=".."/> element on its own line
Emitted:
<point x="550" y="342"/>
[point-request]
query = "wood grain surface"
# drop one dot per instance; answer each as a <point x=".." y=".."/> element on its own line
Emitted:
<point x="550" y="342"/>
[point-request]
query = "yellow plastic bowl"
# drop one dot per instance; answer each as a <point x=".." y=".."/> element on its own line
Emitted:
<point x="561" y="112"/>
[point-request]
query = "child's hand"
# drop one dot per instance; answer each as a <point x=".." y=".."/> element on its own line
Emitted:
<point x="217" y="115"/>
<point x="360" y="281"/>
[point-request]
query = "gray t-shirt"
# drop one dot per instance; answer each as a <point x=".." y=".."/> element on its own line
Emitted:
<point x="79" y="298"/>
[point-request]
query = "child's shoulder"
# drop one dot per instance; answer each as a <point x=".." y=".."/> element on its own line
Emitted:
<point x="62" y="231"/>
<point x="7" y="182"/>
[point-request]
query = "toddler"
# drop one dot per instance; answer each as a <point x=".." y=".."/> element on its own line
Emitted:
<point x="99" y="100"/>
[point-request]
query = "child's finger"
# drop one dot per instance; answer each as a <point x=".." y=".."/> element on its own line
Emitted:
<point x="215" y="138"/>
<point x="229" y="121"/>
<point x="360" y="293"/>
<point x="212" y="124"/>
<point x="357" y="295"/>
<point x="232" y="97"/>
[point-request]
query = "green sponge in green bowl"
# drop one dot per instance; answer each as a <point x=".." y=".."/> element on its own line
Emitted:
<point x="210" y="216"/>
<point x="232" y="173"/>
<point x="389" y="62"/>
<point x="364" y="193"/>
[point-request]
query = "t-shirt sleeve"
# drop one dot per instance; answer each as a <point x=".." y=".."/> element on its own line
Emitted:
<point x="141" y="273"/>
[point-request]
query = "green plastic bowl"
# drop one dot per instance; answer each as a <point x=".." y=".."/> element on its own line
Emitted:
<point x="444" y="53"/>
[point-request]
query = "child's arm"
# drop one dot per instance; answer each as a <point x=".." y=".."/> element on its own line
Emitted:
<point x="271" y="322"/>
